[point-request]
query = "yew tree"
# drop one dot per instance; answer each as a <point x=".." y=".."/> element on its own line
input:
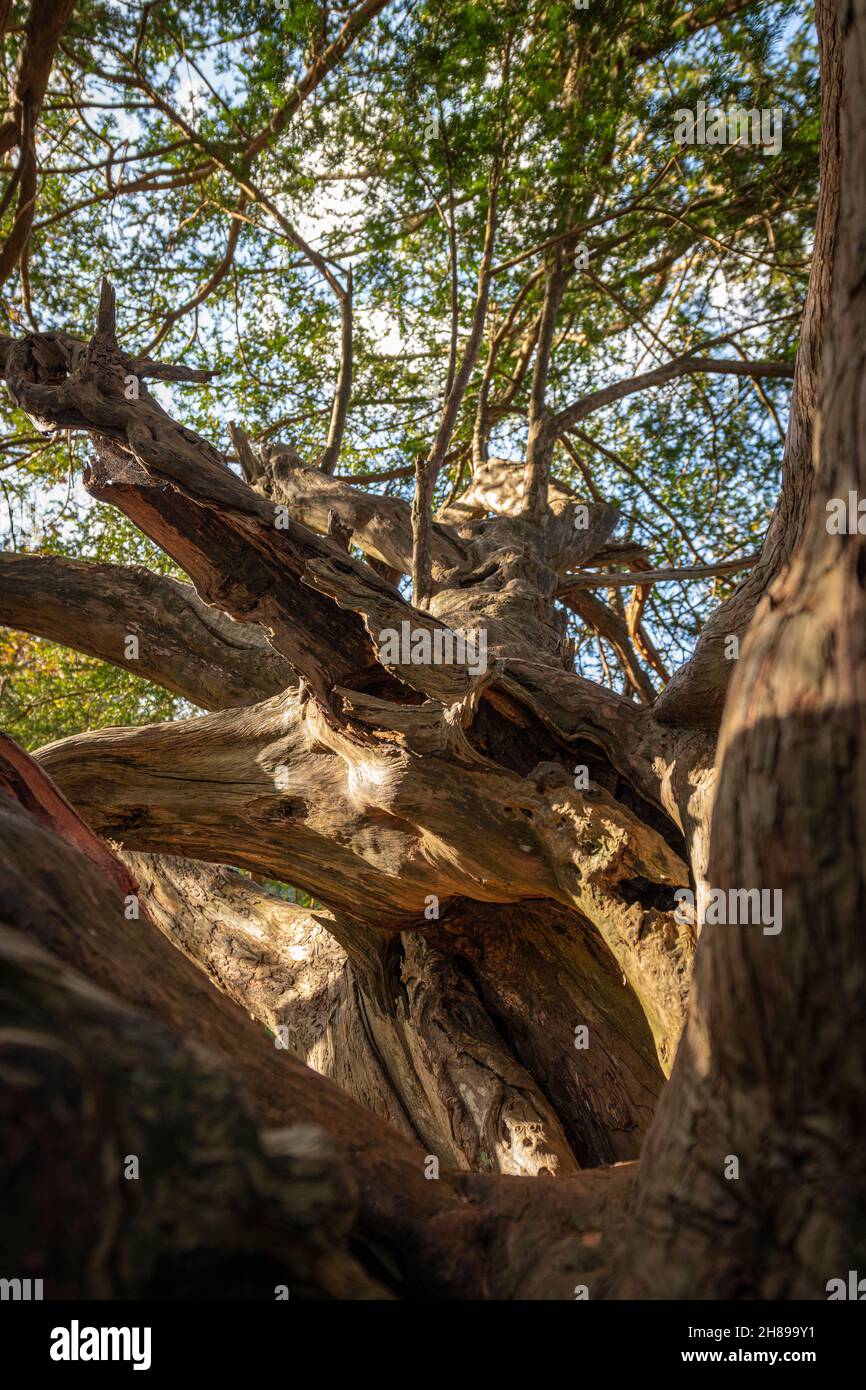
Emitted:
<point x="419" y="610"/>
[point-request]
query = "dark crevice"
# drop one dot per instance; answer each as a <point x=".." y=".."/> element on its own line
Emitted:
<point x="395" y="993"/>
<point x="647" y="894"/>
<point x="378" y="1264"/>
<point x="589" y="1143"/>
<point x="515" y="743"/>
<point x="520" y="744"/>
<point x="385" y="685"/>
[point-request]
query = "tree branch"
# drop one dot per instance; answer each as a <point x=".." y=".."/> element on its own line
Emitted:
<point x="226" y="786"/>
<point x="59" y="353"/>
<point x="182" y="644"/>
<point x="242" y="555"/>
<point x="604" y="621"/>
<point x="595" y="579"/>
<point x="343" y="391"/>
<point x="539" y="449"/>
<point x="46" y="20"/>
<point x="668" y="371"/>
<point x="427" y="470"/>
<point x="468" y="1235"/>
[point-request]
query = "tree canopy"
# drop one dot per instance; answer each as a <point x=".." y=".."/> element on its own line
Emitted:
<point x="254" y="176"/>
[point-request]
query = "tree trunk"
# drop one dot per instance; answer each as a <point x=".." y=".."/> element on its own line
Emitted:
<point x="770" y="1067"/>
<point x="492" y="981"/>
<point x="435" y="1030"/>
<point x="251" y="1173"/>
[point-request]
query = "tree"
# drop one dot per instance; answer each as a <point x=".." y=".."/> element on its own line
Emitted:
<point x="504" y="844"/>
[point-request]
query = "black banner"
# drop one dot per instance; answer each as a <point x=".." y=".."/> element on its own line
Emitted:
<point x="156" y="1338"/>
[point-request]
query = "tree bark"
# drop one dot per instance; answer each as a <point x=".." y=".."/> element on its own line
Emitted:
<point x="770" y="1066"/>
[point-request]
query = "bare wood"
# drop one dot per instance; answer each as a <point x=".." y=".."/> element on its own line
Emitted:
<point x="381" y="526"/>
<point x="407" y="1033"/>
<point x="83" y="980"/>
<point x="119" y="778"/>
<point x="58" y="352"/>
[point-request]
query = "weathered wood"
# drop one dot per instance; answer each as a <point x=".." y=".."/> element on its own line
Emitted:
<point x="183" y="644"/>
<point x="234" y="787"/>
<point x="102" y="1014"/>
<point x="383" y="787"/>
<point x="437" y="1030"/>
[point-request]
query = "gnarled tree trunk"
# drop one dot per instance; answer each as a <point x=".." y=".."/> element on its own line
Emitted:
<point x="492" y="978"/>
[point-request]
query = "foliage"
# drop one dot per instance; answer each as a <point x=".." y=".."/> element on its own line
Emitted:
<point x="143" y="146"/>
